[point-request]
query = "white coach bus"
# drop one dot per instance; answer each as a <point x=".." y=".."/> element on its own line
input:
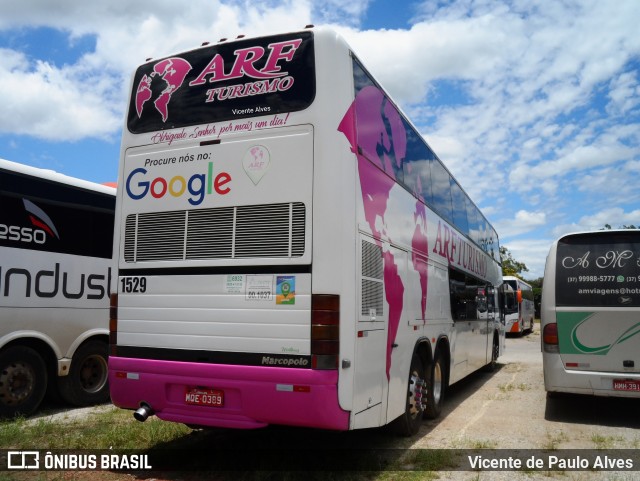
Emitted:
<point x="519" y="306"/>
<point x="591" y="314"/>
<point x="290" y="249"/>
<point x="56" y="241"/>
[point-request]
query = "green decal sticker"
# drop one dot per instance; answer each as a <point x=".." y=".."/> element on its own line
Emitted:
<point x="286" y="290"/>
<point x="569" y="324"/>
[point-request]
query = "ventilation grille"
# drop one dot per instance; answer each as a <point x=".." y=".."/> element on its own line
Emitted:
<point x="272" y="230"/>
<point x="372" y="283"/>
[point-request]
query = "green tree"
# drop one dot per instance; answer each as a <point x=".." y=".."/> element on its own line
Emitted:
<point x="510" y="266"/>
<point x="608" y="227"/>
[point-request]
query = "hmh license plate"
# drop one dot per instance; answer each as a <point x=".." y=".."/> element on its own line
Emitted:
<point x="626" y="385"/>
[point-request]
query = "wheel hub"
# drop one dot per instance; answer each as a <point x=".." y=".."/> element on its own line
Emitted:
<point x="16" y="383"/>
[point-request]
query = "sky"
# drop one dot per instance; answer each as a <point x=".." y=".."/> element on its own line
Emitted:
<point x="533" y="105"/>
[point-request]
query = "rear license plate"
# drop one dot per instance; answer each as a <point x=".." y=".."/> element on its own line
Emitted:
<point x="204" y="397"/>
<point x="626" y="385"/>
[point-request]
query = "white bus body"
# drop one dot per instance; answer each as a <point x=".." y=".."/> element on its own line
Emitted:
<point x="56" y="242"/>
<point x="519" y="307"/>
<point x="280" y="256"/>
<point x="591" y="314"/>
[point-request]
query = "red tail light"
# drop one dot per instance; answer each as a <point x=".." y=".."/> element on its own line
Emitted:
<point x="550" y="338"/>
<point x="325" y="331"/>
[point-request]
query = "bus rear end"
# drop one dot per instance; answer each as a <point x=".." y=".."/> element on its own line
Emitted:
<point x="214" y="322"/>
<point x="591" y="314"/>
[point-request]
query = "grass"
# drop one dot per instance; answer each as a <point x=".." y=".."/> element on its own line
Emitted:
<point x="115" y="429"/>
<point x="555" y="440"/>
<point x="508" y="387"/>
<point x="104" y="430"/>
<point x="605" y="442"/>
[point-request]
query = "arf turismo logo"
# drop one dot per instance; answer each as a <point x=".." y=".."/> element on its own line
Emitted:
<point x="172" y="72"/>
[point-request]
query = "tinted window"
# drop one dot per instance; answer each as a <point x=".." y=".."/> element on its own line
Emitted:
<point x="441" y="189"/>
<point x="599" y="269"/>
<point x="389" y="141"/>
<point x="242" y="79"/>
<point x="468" y="296"/>
<point x="459" y="199"/>
<point x="42" y="215"/>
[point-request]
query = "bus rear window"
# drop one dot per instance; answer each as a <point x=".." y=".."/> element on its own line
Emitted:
<point x="595" y="271"/>
<point x="264" y="76"/>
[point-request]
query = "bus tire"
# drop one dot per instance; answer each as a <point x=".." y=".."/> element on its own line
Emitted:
<point x="86" y="382"/>
<point x="23" y="381"/>
<point x="409" y="423"/>
<point x="495" y="352"/>
<point x="436" y="383"/>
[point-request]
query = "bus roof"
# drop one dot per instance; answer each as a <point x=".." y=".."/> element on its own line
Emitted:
<point x="54" y="176"/>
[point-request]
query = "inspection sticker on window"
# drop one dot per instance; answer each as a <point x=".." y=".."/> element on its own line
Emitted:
<point x="259" y="288"/>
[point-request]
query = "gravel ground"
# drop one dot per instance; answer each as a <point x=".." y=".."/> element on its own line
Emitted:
<point x="509" y="410"/>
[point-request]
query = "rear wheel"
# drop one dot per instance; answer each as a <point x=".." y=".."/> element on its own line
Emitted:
<point x="409" y="423"/>
<point x="495" y="352"/>
<point x="86" y="382"/>
<point x="23" y="381"/>
<point x="436" y="382"/>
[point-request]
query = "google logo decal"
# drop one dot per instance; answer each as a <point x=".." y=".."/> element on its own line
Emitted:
<point x="198" y="185"/>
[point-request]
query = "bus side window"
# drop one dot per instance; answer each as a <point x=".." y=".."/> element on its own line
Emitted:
<point x="466" y="303"/>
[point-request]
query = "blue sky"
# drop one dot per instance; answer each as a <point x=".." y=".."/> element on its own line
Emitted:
<point x="533" y="105"/>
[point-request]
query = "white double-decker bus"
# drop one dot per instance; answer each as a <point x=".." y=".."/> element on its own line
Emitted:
<point x="56" y="243"/>
<point x="519" y="308"/>
<point x="290" y="249"/>
<point x="591" y="314"/>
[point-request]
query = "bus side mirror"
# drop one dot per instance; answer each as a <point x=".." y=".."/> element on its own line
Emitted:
<point x="519" y="296"/>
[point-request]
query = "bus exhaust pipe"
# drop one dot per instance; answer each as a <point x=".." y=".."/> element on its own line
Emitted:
<point x="143" y="413"/>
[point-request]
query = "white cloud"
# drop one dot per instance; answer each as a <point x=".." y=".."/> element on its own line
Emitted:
<point x="532" y="252"/>
<point x="616" y="217"/>
<point x="521" y="223"/>
<point x="624" y="93"/>
<point x="548" y="124"/>
<point x="87" y="99"/>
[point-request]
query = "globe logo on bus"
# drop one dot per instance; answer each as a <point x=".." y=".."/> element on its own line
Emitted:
<point x="256" y="162"/>
<point x="172" y="72"/>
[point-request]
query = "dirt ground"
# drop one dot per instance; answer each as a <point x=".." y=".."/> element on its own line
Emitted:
<point x="487" y="412"/>
<point x="509" y="410"/>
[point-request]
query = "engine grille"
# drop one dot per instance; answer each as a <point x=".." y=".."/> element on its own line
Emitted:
<point x="270" y="230"/>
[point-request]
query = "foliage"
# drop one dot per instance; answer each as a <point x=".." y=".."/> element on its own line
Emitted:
<point x="608" y="227"/>
<point x="510" y="266"/>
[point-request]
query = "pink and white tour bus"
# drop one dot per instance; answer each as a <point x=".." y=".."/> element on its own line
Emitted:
<point x="290" y="250"/>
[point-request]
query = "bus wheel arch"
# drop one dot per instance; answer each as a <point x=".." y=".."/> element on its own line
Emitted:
<point x="86" y="382"/>
<point x="23" y="378"/>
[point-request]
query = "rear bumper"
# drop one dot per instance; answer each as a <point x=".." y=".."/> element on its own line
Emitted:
<point x="254" y="396"/>
<point x="559" y="379"/>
